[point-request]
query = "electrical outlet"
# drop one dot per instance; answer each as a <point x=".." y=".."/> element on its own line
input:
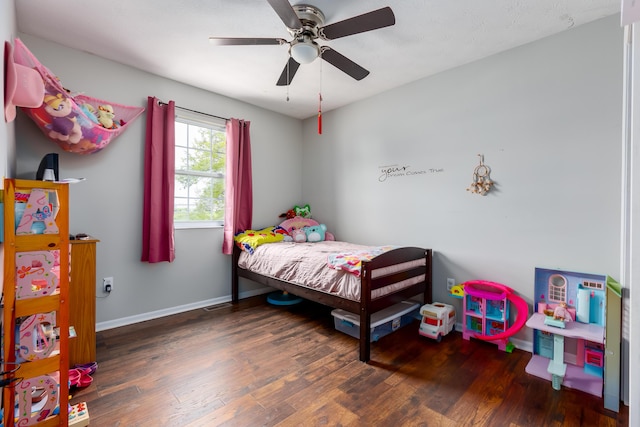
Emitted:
<point x="107" y="284"/>
<point x="450" y="283"/>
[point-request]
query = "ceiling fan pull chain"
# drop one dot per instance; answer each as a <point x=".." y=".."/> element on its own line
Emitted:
<point x="288" y="80"/>
<point x="320" y="101"/>
<point x="320" y="114"/>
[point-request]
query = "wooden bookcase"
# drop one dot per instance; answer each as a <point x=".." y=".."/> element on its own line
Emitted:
<point x="82" y="301"/>
<point x="36" y="299"/>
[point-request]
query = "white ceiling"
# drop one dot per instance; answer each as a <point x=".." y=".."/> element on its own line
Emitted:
<point x="170" y="38"/>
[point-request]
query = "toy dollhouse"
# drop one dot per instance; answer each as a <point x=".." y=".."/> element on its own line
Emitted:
<point x="573" y="314"/>
<point x="486" y="312"/>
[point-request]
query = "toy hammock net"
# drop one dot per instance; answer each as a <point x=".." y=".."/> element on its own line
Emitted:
<point x="77" y="123"/>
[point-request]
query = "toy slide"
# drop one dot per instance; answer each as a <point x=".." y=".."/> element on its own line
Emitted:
<point x="522" y="311"/>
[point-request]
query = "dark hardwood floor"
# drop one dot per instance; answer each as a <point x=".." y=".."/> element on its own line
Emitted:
<point x="260" y="365"/>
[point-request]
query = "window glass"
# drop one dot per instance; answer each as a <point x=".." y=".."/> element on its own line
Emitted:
<point x="200" y="166"/>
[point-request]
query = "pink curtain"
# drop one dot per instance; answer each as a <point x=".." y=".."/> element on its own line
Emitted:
<point x="238" y="208"/>
<point x="159" y="171"/>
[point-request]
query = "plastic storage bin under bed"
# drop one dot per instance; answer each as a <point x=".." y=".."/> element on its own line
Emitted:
<point x="383" y="322"/>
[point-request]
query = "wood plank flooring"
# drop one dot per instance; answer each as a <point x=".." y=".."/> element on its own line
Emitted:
<point x="254" y="364"/>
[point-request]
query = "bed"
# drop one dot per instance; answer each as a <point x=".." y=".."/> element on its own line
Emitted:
<point x="394" y="275"/>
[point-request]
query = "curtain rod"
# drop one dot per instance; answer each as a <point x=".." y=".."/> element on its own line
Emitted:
<point x="197" y="112"/>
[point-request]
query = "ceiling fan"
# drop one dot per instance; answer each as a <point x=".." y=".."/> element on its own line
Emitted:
<point x="305" y="23"/>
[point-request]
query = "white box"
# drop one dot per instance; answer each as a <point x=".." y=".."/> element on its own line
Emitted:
<point x="383" y="322"/>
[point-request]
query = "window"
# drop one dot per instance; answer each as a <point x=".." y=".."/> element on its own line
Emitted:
<point x="200" y="168"/>
<point x="557" y="288"/>
<point x="593" y="285"/>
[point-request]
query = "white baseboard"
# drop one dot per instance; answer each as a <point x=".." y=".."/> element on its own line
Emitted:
<point x="523" y="345"/>
<point x="124" y="321"/>
<point x="103" y="326"/>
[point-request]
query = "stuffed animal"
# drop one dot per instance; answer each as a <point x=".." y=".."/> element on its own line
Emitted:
<point x="316" y="233"/>
<point x="89" y="111"/>
<point x="105" y="116"/>
<point x="286" y="237"/>
<point x="298" y="235"/>
<point x="303" y="211"/>
<point x="297" y="222"/>
<point x="64" y="124"/>
<point x="288" y="214"/>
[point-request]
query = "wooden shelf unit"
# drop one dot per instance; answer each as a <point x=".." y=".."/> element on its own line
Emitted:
<point x="51" y="370"/>
<point x="82" y="301"/>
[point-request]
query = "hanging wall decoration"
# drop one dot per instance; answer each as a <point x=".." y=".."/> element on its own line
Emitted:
<point x="482" y="182"/>
<point x="77" y="123"/>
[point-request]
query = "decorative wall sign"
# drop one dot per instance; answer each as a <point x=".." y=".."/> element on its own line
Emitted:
<point x="402" y="171"/>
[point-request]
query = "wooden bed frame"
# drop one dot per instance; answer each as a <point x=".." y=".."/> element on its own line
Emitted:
<point x="366" y="306"/>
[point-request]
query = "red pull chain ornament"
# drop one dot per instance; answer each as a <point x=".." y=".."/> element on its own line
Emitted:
<point x="319" y="114"/>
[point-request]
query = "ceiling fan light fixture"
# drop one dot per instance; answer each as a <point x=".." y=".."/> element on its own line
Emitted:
<point x="305" y="53"/>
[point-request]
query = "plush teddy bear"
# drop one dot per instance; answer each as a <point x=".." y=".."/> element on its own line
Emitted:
<point x="105" y="116"/>
<point x="316" y="233"/>
<point x="298" y="235"/>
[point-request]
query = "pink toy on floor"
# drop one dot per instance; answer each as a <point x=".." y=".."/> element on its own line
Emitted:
<point x="475" y="287"/>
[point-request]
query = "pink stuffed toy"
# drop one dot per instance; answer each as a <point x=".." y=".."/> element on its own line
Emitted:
<point x="298" y="235"/>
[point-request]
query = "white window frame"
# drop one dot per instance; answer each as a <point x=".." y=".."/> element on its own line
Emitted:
<point x="557" y="292"/>
<point x="206" y="121"/>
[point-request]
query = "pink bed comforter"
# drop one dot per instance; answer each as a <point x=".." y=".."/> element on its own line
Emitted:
<point x="306" y="264"/>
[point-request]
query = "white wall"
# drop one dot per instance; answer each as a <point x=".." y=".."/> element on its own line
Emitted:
<point x="546" y="116"/>
<point x="7" y="130"/>
<point x="108" y="205"/>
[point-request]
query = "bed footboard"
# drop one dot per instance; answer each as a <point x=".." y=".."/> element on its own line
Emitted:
<point x="417" y="275"/>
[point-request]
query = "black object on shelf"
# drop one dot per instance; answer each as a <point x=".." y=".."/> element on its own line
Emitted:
<point x="48" y="164"/>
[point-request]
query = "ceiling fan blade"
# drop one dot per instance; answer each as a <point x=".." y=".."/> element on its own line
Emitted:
<point x="343" y="63"/>
<point x="286" y="13"/>
<point x="288" y="72"/>
<point x="229" y="41"/>
<point x="359" y="24"/>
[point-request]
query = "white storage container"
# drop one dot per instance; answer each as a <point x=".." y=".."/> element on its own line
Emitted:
<point x="383" y="322"/>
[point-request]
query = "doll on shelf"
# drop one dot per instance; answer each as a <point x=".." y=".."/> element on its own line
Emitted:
<point x="562" y="313"/>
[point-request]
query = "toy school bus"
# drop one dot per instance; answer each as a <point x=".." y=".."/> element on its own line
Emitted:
<point x="438" y="319"/>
